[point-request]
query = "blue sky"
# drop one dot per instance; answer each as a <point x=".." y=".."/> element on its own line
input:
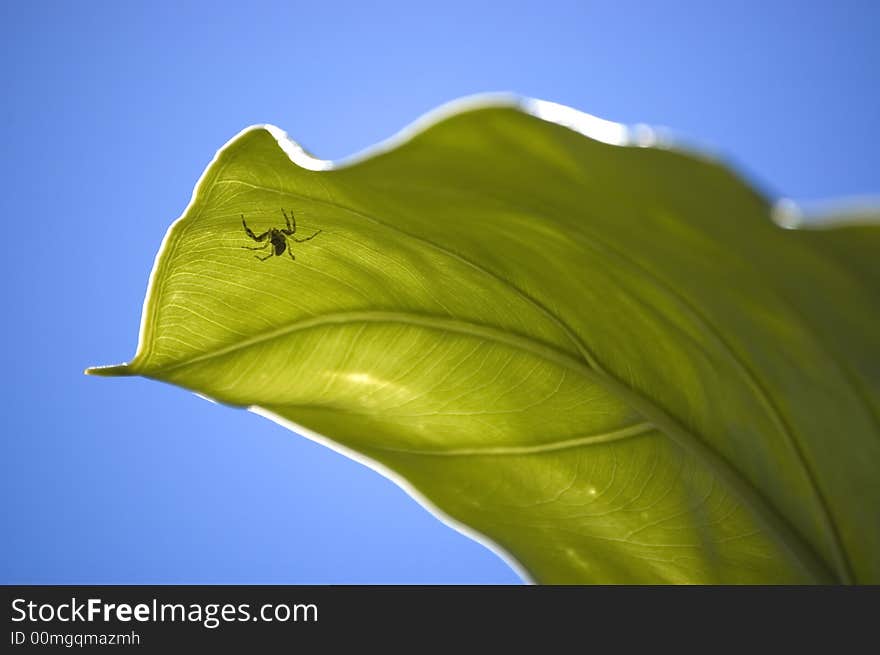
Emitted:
<point x="110" y="112"/>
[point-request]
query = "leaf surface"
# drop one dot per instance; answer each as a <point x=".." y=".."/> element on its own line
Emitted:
<point x="608" y="360"/>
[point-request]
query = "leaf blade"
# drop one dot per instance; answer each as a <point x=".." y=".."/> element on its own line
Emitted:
<point x="563" y="266"/>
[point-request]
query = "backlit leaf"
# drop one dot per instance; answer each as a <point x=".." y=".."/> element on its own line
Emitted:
<point x="606" y="359"/>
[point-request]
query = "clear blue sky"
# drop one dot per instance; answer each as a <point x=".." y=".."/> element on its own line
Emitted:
<point x="110" y="111"/>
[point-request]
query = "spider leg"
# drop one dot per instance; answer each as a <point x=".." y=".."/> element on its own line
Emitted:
<point x="263" y="247"/>
<point x="262" y="259"/>
<point x="290" y="229"/>
<point x="290" y="251"/>
<point x="307" y="238"/>
<point x="251" y="234"/>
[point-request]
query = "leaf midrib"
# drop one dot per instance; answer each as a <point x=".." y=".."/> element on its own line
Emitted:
<point x="767" y="515"/>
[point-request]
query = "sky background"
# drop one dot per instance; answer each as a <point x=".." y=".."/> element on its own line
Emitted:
<point x="110" y="112"/>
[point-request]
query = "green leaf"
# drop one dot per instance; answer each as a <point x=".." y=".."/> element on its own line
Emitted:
<point x="606" y="359"/>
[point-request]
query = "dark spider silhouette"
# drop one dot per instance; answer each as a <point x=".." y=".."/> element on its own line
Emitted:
<point x="277" y="237"/>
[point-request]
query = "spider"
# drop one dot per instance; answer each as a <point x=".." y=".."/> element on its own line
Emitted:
<point x="277" y="237"/>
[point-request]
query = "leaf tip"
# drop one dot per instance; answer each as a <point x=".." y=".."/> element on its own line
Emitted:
<point x="116" y="370"/>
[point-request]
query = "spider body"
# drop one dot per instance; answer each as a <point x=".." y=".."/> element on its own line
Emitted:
<point x="278" y="241"/>
<point x="276" y="237"/>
